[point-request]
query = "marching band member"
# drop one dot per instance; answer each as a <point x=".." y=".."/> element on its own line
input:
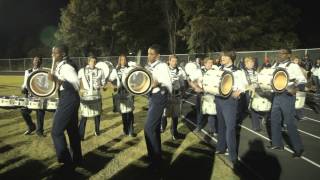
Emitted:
<point x="252" y="78"/>
<point x="37" y="61"/>
<point x="283" y="105"/>
<point x="158" y="98"/>
<point x="126" y="100"/>
<point x="64" y="72"/>
<point x="316" y="75"/>
<point x="96" y="75"/>
<point x="178" y="77"/>
<point x="227" y="108"/>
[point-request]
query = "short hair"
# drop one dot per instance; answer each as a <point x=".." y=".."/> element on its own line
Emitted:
<point x="40" y="58"/>
<point x="288" y="50"/>
<point x="208" y="59"/>
<point x="230" y="54"/>
<point x="156" y="48"/>
<point x="172" y="56"/>
<point x="63" y="48"/>
<point x="249" y="58"/>
<point x="92" y="57"/>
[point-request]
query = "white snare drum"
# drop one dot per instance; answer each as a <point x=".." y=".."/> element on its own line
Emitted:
<point x="275" y="79"/>
<point x="260" y="104"/>
<point x="21" y="102"/>
<point x="35" y="103"/>
<point x="90" y="106"/>
<point x="300" y="99"/>
<point x="7" y="101"/>
<point x="208" y="106"/>
<point x="218" y="82"/>
<point x="51" y="104"/>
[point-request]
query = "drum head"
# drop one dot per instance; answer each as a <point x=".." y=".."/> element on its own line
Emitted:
<point x="280" y="80"/>
<point x="106" y="67"/>
<point x="138" y="81"/>
<point x="39" y="84"/>
<point x="226" y="84"/>
<point x="190" y="68"/>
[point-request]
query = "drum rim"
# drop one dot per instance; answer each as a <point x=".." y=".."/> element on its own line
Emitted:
<point x="222" y="76"/>
<point x="51" y="92"/>
<point x="138" y="69"/>
<point x="272" y="80"/>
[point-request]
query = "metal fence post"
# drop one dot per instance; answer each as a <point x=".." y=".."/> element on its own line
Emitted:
<point x="10" y="65"/>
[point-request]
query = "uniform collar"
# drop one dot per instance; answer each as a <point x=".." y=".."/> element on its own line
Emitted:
<point x="156" y="62"/>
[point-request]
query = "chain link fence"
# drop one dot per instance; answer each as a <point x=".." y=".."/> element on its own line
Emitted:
<point x="21" y="64"/>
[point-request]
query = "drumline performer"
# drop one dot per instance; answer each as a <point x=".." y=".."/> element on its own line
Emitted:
<point x="125" y="100"/>
<point x="158" y="98"/>
<point x="64" y="72"/>
<point x="251" y="77"/>
<point x="283" y="105"/>
<point x="40" y="113"/>
<point x="178" y="78"/>
<point x="227" y="109"/>
<point x="92" y="80"/>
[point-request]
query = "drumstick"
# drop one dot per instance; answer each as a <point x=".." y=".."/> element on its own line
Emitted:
<point x="52" y="66"/>
<point x="138" y="59"/>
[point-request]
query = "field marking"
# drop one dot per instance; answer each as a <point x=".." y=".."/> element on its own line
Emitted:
<point x="304" y="132"/>
<point x="310" y="119"/>
<point x="308" y="109"/>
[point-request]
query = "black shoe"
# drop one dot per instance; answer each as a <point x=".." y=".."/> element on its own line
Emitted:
<point x="297" y="154"/>
<point x="40" y="134"/>
<point x="132" y="135"/>
<point x="161" y="130"/>
<point x="220" y="152"/>
<point x="30" y="130"/>
<point x="258" y="130"/>
<point x="97" y="133"/>
<point x="279" y="148"/>
<point x="82" y="138"/>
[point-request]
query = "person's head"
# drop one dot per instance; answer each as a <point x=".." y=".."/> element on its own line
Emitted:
<point x="92" y="61"/>
<point x="208" y="62"/>
<point x="153" y="53"/>
<point x="37" y="61"/>
<point x="122" y="61"/>
<point x="217" y="61"/>
<point x="318" y="61"/>
<point x="173" y="61"/>
<point x="284" y="54"/>
<point x="59" y="51"/>
<point x="296" y="60"/>
<point x="249" y="62"/>
<point x="228" y="57"/>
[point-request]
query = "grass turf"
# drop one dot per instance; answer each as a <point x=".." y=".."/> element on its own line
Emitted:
<point x="108" y="156"/>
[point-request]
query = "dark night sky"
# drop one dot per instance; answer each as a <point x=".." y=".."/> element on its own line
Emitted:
<point x="23" y="19"/>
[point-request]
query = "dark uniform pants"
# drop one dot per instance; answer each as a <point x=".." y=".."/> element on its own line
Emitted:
<point x="83" y="122"/>
<point x="284" y="106"/>
<point x="255" y="117"/>
<point x="127" y="120"/>
<point x="157" y="103"/>
<point x="226" y="114"/>
<point x="66" y="118"/>
<point x="27" y="118"/>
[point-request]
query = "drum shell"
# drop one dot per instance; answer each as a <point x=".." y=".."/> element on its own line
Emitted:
<point x="21" y="102"/>
<point x="212" y="82"/>
<point x="300" y="99"/>
<point x="143" y="88"/>
<point x="40" y="91"/>
<point x="7" y="102"/>
<point x="208" y="105"/>
<point x="265" y="79"/>
<point x="35" y="103"/>
<point x="260" y="104"/>
<point x="51" y="104"/>
<point x="91" y="108"/>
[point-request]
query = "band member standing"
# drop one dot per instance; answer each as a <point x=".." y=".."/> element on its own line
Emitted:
<point x="92" y="80"/>
<point x="252" y="78"/>
<point x="125" y="99"/>
<point x="178" y="77"/>
<point x="227" y="108"/>
<point x="64" y="72"/>
<point x="158" y="98"/>
<point x="316" y="75"/>
<point x="37" y="61"/>
<point x="283" y="105"/>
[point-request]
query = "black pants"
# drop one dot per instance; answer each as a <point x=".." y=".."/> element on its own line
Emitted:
<point x="157" y="103"/>
<point x="66" y="118"/>
<point x="83" y="122"/>
<point x="25" y="112"/>
<point x="127" y="120"/>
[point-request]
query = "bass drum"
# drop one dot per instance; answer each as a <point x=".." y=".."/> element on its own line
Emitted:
<point x="273" y="79"/>
<point x="106" y="67"/>
<point x="137" y="80"/>
<point x="217" y="82"/>
<point x="39" y="85"/>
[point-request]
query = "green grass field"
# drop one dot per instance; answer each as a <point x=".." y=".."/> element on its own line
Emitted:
<point x="108" y="156"/>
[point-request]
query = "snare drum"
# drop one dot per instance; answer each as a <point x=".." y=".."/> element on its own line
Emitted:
<point x="275" y="79"/>
<point x="260" y="104"/>
<point x="21" y="102"/>
<point x="51" y="104"/>
<point x="35" y="103"/>
<point x="300" y="99"/>
<point x="217" y="82"/>
<point x="7" y="101"/>
<point x="90" y="106"/>
<point x="208" y="106"/>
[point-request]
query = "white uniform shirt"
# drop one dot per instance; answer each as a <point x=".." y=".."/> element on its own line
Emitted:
<point x="65" y="72"/>
<point x="315" y="71"/>
<point x="240" y="81"/>
<point x="294" y="72"/>
<point x="161" y="73"/>
<point x="26" y="75"/>
<point x="252" y="76"/>
<point x="177" y="77"/>
<point x="98" y="78"/>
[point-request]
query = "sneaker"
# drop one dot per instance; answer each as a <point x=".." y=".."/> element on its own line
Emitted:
<point x="297" y="154"/>
<point x="97" y="133"/>
<point x="279" y="148"/>
<point x="30" y="130"/>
